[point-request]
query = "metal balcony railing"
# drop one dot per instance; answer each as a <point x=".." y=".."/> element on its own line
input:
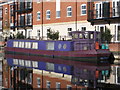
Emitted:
<point x="100" y="14"/>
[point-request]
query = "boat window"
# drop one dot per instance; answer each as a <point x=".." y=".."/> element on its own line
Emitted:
<point x="86" y="35"/>
<point x="76" y="35"/>
<point x="80" y="36"/>
<point x="35" y="64"/>
<point x="20" y="62"/>
<point x="27" y="45"/>
<point x="28" y="63"/>
<point x="91" y="36"/>
<point x="34" y="45"/>
<point x="98" y="35"/>
<point x="15" y="61"/>
<point x="64" y="46"/>
<point x="15" y="44"/>
<point x="85" y="48"/>
<point x="50" y="45"/>
<point x="20" y="44"/>
<point x="50" y="66"/>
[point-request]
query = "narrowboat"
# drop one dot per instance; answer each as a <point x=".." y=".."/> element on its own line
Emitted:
<point x="84" y="46"/>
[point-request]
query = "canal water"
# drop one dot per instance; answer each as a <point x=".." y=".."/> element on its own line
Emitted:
<point x="82" y="74"/>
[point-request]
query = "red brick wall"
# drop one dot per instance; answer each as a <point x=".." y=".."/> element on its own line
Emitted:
<point x="52" y="7"/>
<point x="53" y="81"/>
<point x="114" y="47"/>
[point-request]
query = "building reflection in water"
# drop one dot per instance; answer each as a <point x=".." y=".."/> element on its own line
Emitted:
<point x="41" y="72"/>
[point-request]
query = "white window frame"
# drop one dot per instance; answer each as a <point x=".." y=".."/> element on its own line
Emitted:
<point x="38" y="82"/>
<point x="97" y="7"/>
<point x="35" y="64"/>
<point x="30" y="14"/>
<point x="48" y="14"/>
<point x="38" y="15"/>
<point x="83" y="9"/>
<point x="15" y="44"/>
<point x="50" y="46"/>
<point x="58" y="85"/>
<point x="83" y="27"/>
<point x="115" y="8"/>
<point x="69" y="86"/>
<point x="57" y="14"/>
<point x="48" y="84"/>
<point x="69" y="12"/>
<point x="6" y="10"/>
<point x="116" y="33"/>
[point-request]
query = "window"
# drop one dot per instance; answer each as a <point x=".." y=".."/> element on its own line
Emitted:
<point x="1" y="12"/>
<point x="28" y="63"/>
<point x="57" y="86"/>
<point x="83" y="9"/>
<point x="0" y="24"/>
<point x="50" y="66"/>
<point x="38" y="15"/>
<point x="48" y="14"/>
<point x="22" y="44"/>
<point x="35" y="45"/>
<point x="15" y="44"/>
<point x="38" y="82"/>
<point x="27" y="45"/>
<point x="69" y="29"/>
<point x="50" y="46"/>
<point x="29" y="78"/>
<point x="38" y="33"/>
<point x="83" y="28"/>
<point x="98" y="10"/>
<point x="29" y="19"/>
<point x="69" y="87"/>
<point x="69" y="11"/>
<point x="118" y="35"/>
<point x="15" y="61"/>
<point x="35" y="64"/>
<point x="29" y="4"/>
<point x="115" y="8"/>
<point x="6" y="10"/>
<point x="57" y="14"/>
<point x="48" y="84"/>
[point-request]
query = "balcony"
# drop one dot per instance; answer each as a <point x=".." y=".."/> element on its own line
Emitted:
<point x="24" y="7"/>
<point x="105" y="15"/>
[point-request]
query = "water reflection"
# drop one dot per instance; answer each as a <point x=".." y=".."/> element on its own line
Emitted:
<point x="82" y="74"/>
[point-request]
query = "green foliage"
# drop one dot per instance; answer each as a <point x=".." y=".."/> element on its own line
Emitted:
<point x="20" y="36"/>
<point x="52" y="34"/>
<point x="106" y="36"/>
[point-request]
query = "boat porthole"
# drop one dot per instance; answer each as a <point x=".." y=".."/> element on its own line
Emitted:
<point x="64" y="46"/>
<point x="59" y="68"/>
<point x="64" y="69"/>
<point x="59" y="46"/>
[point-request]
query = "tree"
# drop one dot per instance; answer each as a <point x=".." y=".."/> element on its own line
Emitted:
<point x="52" y="34"/>
<point x="106" y="35"/>
<point x="20" y="36"/>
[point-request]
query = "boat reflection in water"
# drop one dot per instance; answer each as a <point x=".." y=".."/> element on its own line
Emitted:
<point x="82" y="74"/>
